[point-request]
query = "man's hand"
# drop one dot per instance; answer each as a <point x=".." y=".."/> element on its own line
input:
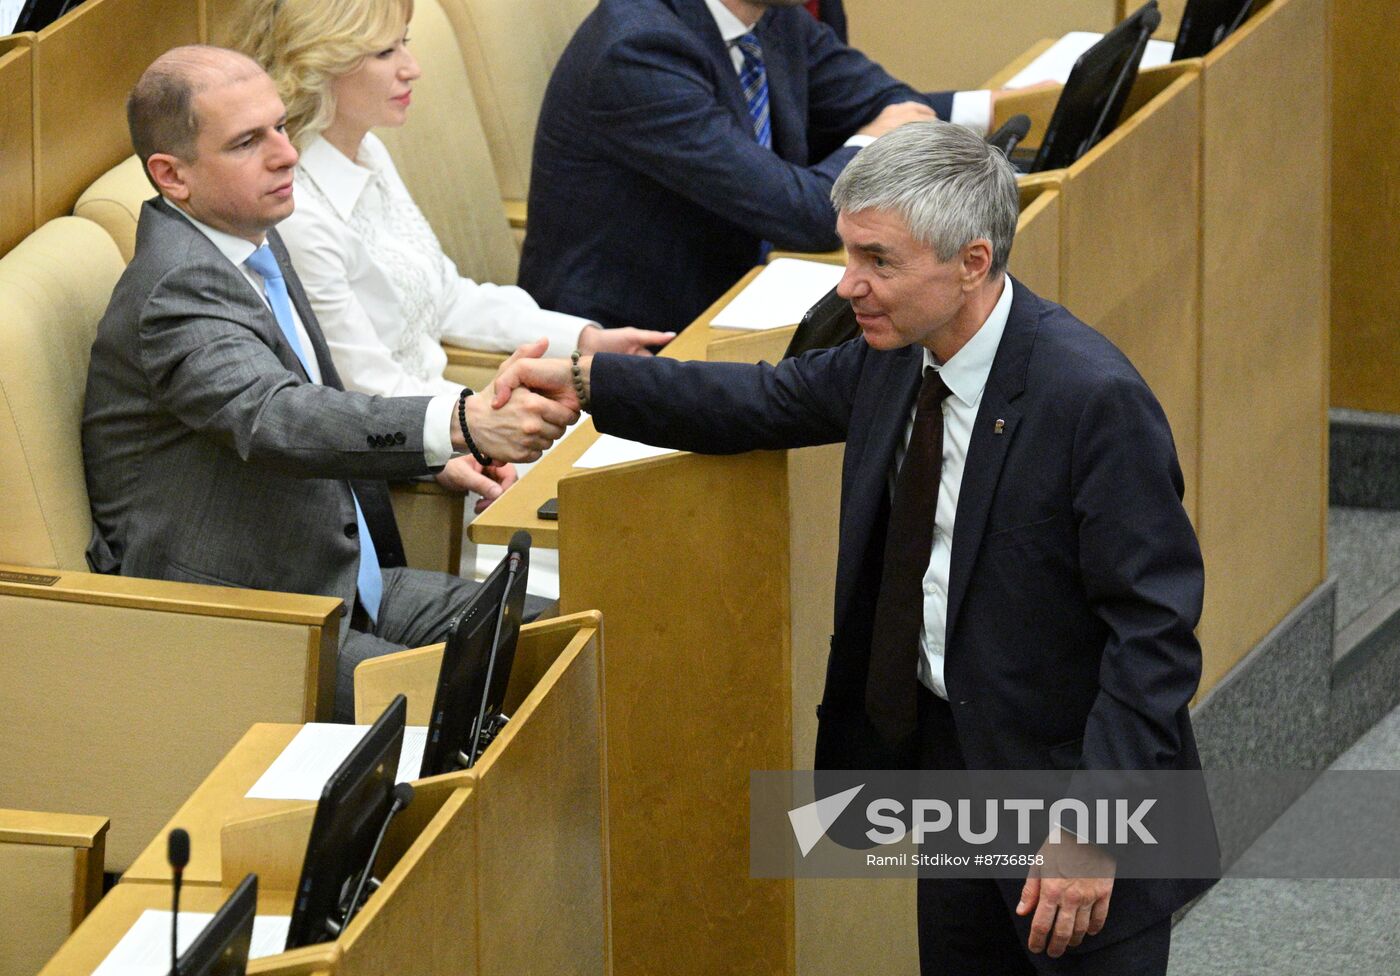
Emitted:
<point x="891" y="117"/>
<point x="466" y="474"/>
<point x="630" y="342"/>
<point x="1069" y="893"/>
<point x="552" y="378"/>
<point x="521" y="425"/>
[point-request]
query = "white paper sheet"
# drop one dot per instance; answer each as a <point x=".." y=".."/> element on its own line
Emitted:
<point x="145" y="949"/>
<point x="780" y="295"/>
<point x="309" y="760"/>
<point x="608" y="450"/>
<point x="1056" y="63"/>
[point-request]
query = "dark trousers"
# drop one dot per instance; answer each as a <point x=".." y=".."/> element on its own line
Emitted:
<point x="965" y="924"/>
<point x="417" y="608"/>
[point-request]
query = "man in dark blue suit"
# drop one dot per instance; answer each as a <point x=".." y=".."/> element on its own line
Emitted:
<point x="1017" y="581"/>
<point x="680" y="139"/>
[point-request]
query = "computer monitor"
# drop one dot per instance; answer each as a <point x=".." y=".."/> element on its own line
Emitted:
<point x="222" y="948"/>
<point x="1093" y="98"/>
<point x="354" y="805"/>
<point x="830" y="322"/>
<point x="1205" y="23"/>
<point x="476" y="666"/>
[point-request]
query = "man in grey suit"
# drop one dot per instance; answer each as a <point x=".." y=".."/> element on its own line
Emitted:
<point x="219" y="443"/>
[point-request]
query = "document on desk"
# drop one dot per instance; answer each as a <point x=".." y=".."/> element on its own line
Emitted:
<point x="145" y="949"/>
<point x="608" y="449"/>
<point x="9" y="13"/>
<point x="780" y="295"/>
<point x="309" y="760"/>
<point x="1057" y="61"/>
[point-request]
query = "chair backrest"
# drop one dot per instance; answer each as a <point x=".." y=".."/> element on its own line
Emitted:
<point x="114" y="201"/>
<point x="511" y="48"/>
<point x="54" y="287"/>
<point x="443" y="157"/>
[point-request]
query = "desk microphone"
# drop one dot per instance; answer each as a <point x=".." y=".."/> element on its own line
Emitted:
<point x="177" y="852"/>
<point x="1009" y="136"/>
<point x="403" y="796"/>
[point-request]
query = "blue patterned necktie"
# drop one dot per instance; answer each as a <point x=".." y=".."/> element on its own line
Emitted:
<point x="754" y="80"/>
<point x="370" y="581"/>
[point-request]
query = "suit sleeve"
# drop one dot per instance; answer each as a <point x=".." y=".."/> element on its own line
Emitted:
<point x="1143" y="576"/>
<point x="210" y="369"/>
<point x="727" y="408"/>
<point x="655" y="105"/>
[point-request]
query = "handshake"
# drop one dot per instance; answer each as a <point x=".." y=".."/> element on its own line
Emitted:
<point x="528" y="406"/>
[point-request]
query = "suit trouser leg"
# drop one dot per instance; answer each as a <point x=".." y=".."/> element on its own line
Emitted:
<point x="965" y="924"/>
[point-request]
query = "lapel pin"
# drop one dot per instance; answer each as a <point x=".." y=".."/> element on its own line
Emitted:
<point x="999" y="426"/>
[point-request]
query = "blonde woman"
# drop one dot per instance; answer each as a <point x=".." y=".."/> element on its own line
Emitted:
<point x="384" y="292"/>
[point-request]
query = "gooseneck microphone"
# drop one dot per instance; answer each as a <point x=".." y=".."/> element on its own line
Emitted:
<point x="403" y="796"/>
<point x="177" y="852"/>
<point x="1009" y="136"/>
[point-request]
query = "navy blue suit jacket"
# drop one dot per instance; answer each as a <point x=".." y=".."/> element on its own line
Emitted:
<point x="649" y="195"/>
<point x="1076" y="580"/>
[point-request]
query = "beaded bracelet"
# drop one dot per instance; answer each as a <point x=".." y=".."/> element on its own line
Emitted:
<point x="579" y="389"/>
<point x="481" y="459"/>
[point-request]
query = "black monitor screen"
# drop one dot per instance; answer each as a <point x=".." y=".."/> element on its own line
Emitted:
<point x="222" y="948"/>
<point x="1097" y="89"/>
<point x="353" y="807"/>
<point x="472" y="680"/>
<point x="1205" y="23"/>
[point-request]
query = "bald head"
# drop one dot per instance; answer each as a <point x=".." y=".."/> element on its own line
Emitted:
<point x="160" y="112"/>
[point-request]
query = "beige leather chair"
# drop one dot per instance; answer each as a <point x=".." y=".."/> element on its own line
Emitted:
<point x="430" y="519"/>
<point x="118" y="694"/>
<point x="510" y="48"/>
<point x="52" y="866"/>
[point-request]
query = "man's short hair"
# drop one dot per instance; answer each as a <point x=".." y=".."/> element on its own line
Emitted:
<point x="160" y="109"/>
<point x="947" y="184"/>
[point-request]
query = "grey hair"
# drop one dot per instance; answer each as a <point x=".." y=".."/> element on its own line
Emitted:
<point x="948" y="185"/>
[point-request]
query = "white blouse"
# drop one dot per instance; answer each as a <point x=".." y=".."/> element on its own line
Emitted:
<point x="383" y="291"/>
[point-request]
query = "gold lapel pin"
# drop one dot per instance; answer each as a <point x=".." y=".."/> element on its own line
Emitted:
<point x="999" y="426"/>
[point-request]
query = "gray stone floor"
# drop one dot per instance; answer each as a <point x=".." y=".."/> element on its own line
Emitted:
<point x="1304" y="927"/>
<point x="1363" y="552"/>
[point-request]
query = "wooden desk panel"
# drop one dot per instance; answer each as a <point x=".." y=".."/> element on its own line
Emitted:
<point x="86" y="64"/>
<point x="1365" y="145"/>
<point x="1264" y="321"/>
<point x="954" y="44"/>
<point x="16" y="142"/>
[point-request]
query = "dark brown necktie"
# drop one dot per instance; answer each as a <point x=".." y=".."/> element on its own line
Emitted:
<point x="891" y="685"/>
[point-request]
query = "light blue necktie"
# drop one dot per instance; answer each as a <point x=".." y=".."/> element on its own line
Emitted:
<point x="754" y="80"/>
<point x="370" y="580"/>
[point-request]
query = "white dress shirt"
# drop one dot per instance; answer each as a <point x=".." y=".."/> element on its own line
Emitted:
<point x="970" y="108"/>
<point x="966" y="376"/>
<point x="437" y="421"/>
<point x="384" y="292"/>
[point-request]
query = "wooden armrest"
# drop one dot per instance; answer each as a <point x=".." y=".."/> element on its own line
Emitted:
<point x="473" y="358"/>
<point x="515" y="213"/>
<point x="167" y="597"/>
<point x="51" y="829"/>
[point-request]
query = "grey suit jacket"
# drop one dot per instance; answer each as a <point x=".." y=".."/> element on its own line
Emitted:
<point x="210" y="456"/>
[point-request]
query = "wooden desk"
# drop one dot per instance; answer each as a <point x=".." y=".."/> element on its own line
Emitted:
<point x="124" y="904"/>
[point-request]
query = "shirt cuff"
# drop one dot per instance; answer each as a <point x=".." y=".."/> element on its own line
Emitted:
<point x="437" y="430"/>
<point x="562" y="331"/>
<point x="858" y="141"/>
<point x="973" y="109"/>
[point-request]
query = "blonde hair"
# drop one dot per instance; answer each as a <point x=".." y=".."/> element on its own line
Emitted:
<point x="304" y="45"/>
